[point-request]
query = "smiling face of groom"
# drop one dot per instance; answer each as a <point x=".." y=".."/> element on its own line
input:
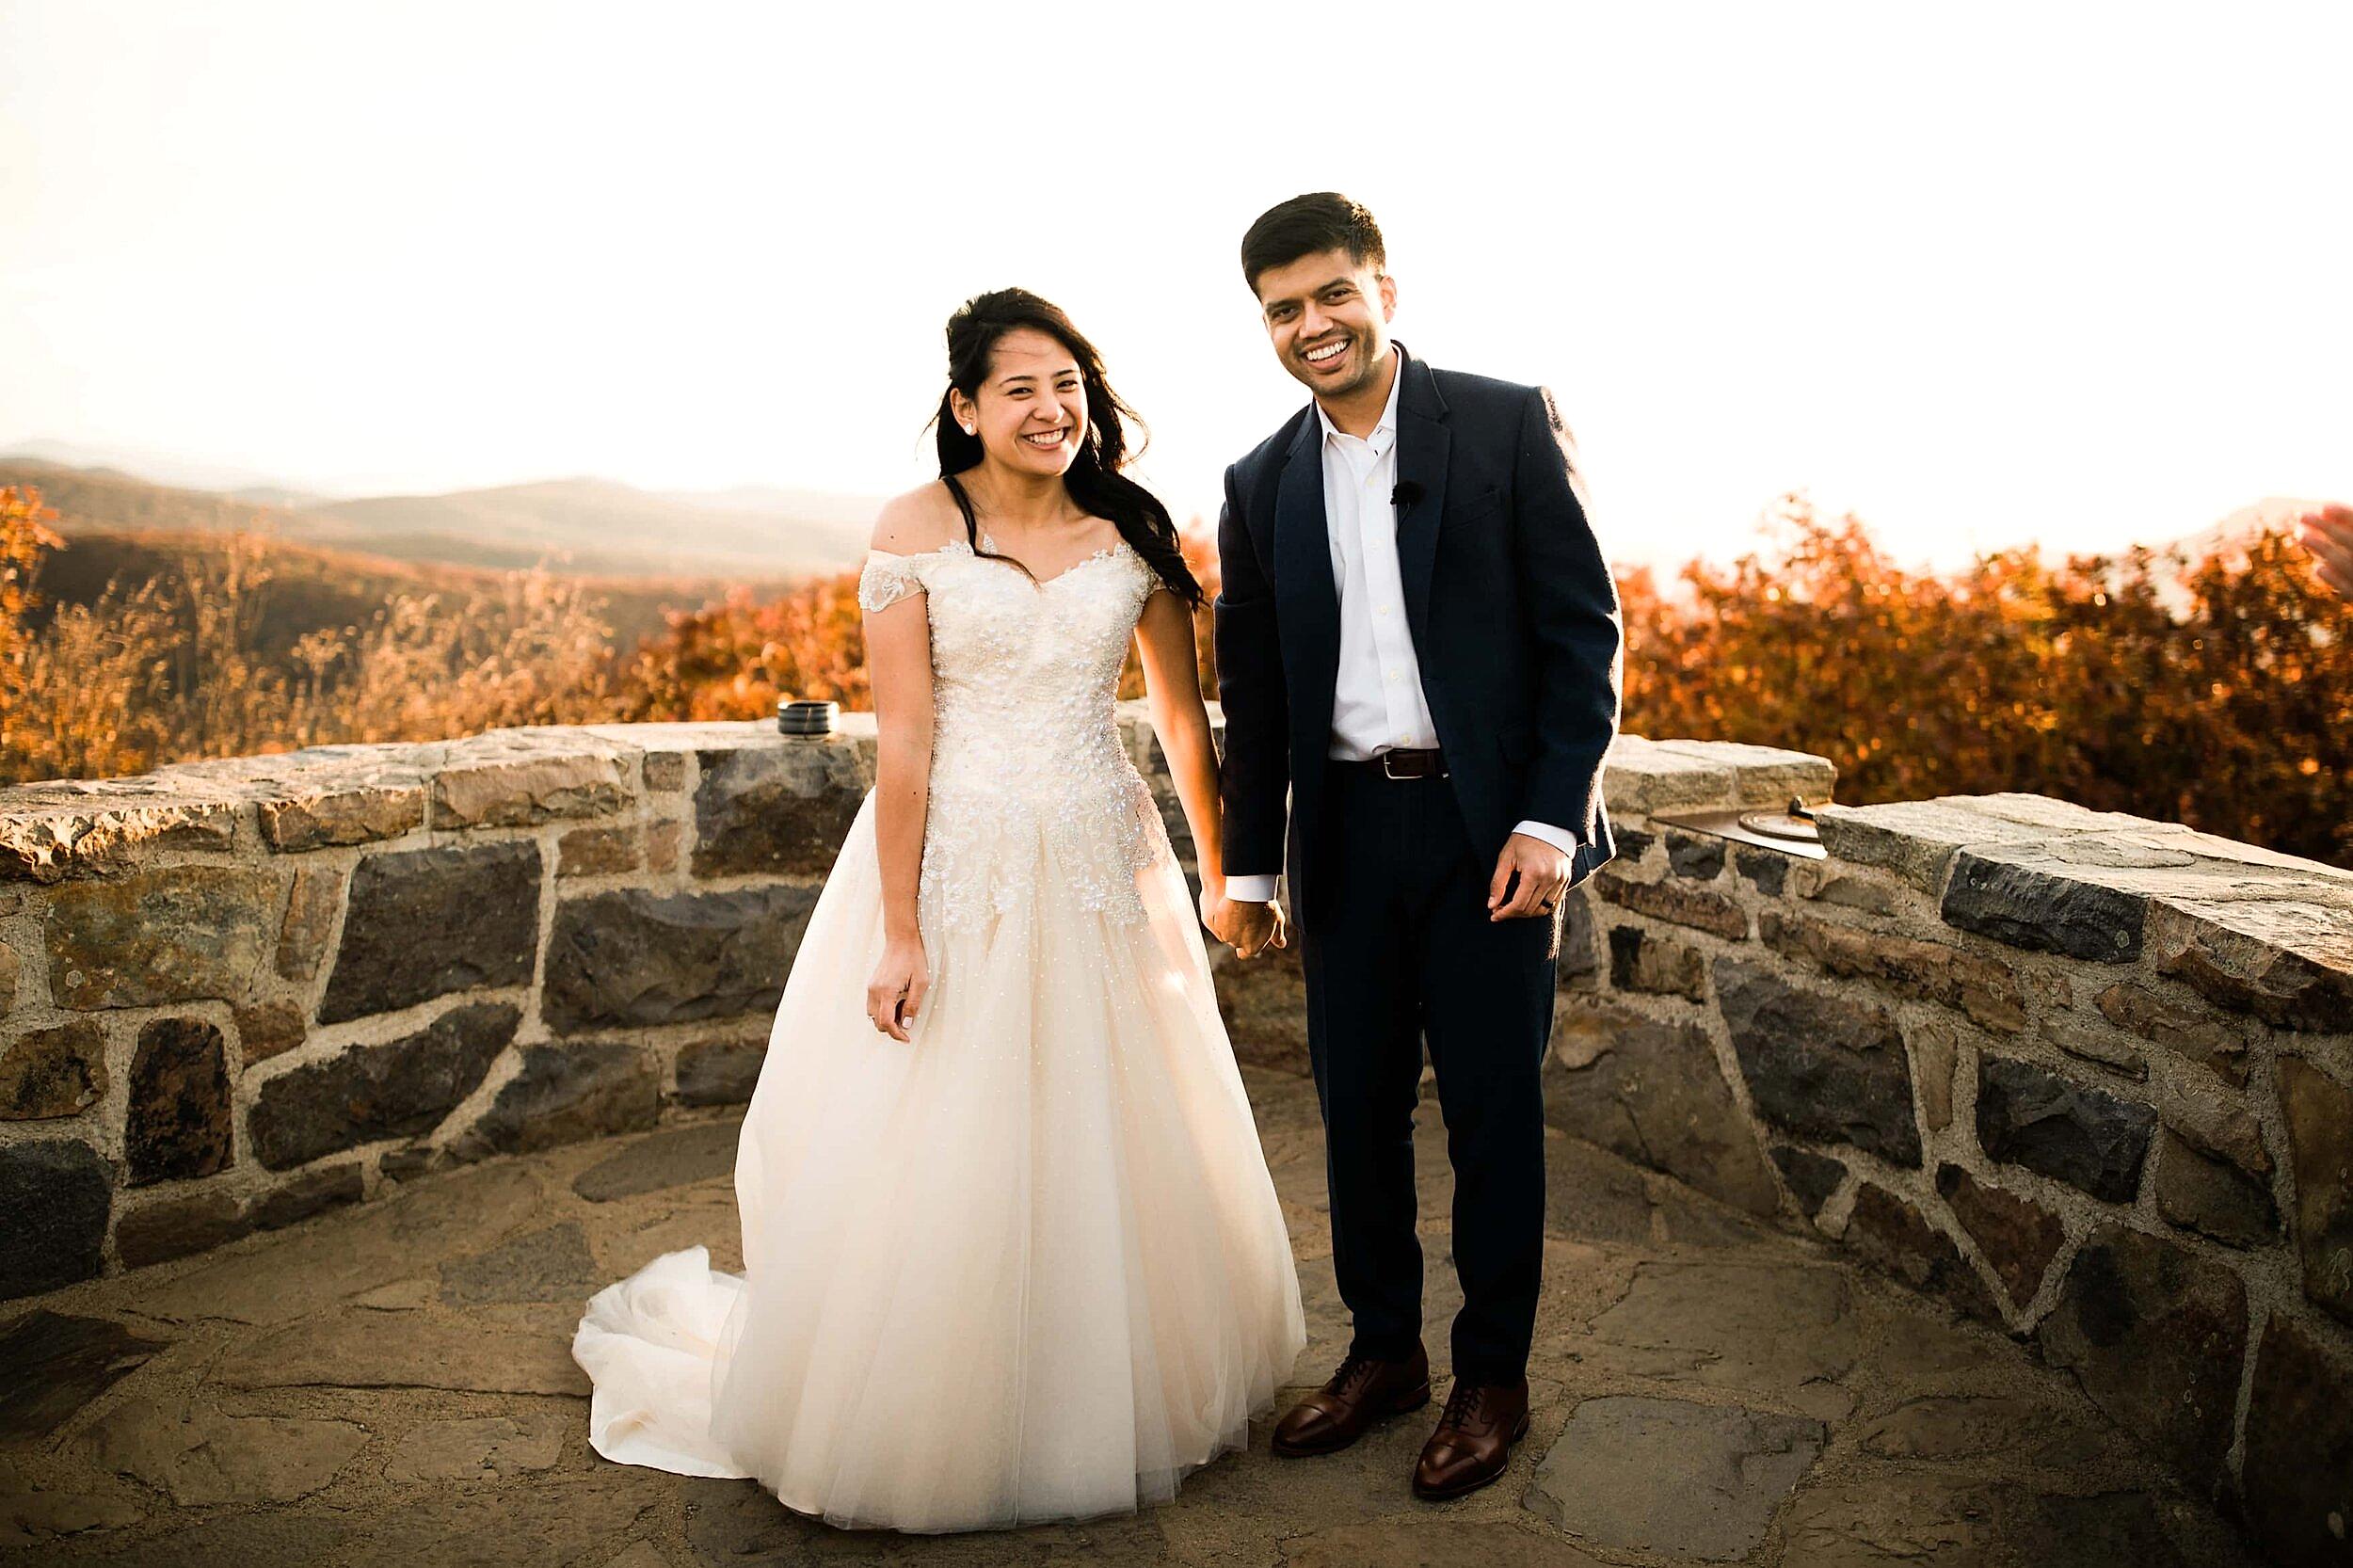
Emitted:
<point x="1317" y="266"/>
<point x="1328" y="316"/>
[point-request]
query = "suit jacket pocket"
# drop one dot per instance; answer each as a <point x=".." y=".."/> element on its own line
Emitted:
<point x="1477" y="505"/>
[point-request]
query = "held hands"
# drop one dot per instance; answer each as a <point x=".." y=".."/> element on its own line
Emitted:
<point x="895" y="994"/>
<point x="2327" y="535"/>
<point x="1249" y="929"/>
<point x="1531" y="875"/>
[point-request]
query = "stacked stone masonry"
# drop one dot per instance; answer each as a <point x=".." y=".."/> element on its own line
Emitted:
<point x="2082" y="1076"/>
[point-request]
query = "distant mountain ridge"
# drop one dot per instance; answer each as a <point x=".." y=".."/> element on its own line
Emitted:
<point x="316" y="587"/>
<point x="777" y="499"/>
<point x="578" y="526"/>
<point x="157" y="468"/>
<point x="584" y="525"/>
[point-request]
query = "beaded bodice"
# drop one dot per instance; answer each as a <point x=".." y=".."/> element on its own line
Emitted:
<point x="1028" y="771"/>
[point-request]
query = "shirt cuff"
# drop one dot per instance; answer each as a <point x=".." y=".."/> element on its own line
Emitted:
<point x="1558" y="837"/>
<point x="1251" y="889"/>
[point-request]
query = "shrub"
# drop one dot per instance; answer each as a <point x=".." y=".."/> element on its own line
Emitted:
<point x="168" y="670"/>
<point x="2217" y="692"/>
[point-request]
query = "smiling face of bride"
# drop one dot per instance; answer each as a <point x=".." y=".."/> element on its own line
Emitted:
<point x="1030" y="413"/>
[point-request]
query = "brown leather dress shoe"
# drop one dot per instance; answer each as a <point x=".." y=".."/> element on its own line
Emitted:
<point x="1474" y="1439"/>
<point x="1362" y="1392"/>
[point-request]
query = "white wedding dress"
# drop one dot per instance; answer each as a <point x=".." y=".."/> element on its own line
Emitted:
<point x="1029" y="1266"/>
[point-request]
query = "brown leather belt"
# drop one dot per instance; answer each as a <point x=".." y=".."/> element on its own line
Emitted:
<point x="1401" y="762"/>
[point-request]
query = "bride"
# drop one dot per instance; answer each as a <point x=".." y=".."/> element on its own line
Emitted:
<point x="1011" y="1250"/>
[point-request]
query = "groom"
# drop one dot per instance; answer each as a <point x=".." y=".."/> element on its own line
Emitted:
<point x="1418" y="642"/>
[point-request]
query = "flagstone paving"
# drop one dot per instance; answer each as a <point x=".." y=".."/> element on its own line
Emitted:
<point x="393" y="1384"/>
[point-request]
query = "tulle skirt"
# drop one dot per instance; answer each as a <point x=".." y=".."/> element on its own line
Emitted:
<point x="1029" y="1266"/>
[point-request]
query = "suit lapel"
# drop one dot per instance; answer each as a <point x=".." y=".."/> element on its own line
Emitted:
<point x="1309" y="601"/>
<point x="1422" y="445"/>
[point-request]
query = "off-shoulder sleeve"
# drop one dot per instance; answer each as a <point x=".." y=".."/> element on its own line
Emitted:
<point x="887" y="579"/>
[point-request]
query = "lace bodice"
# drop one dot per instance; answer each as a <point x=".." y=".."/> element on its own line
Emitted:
<point x="1029" y="776"/>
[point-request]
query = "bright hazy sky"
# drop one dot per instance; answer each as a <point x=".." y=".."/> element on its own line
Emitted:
<point x="1984" y="274"/>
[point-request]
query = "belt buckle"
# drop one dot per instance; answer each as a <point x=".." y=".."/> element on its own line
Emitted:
<point x="1388" y="769"/>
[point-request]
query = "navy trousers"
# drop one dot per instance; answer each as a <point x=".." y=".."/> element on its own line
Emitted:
<point x="1399" y="951"/>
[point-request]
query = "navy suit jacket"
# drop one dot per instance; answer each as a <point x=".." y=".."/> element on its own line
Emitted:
<point x="1513" y="614"/>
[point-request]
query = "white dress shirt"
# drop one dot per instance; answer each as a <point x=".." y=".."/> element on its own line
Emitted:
<point x="1377" y="701"/>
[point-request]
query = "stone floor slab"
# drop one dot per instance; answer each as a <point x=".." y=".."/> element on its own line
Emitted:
<point x="359" y="1349"/>
<point x="1672" y="1478"/>
<point x="33" y="1520"/>
<point x="664" y="1160"/>
<point x="342" y="1255"/>
<point x="480" y="1449"/>
<point x="1432" y="1543"/>
<point x="1783" y="1330"/>
<point x="1961" y="1426"/>
<point x="439" y="1319"/>
<point x="1883" y="1516"/>
<point x="201" y="1456"/>
<point x="1591" y="1195"/>
<point x="57" y="1363"/>
<point x="550" y="1265"/>
<point x="261" y="1540"/>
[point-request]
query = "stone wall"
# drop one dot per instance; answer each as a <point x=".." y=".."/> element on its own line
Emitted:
<point x="2084" y="1077"/>
<point x="233" y="994"/>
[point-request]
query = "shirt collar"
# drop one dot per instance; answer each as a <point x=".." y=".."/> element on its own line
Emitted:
<point x="1384" y="432"/>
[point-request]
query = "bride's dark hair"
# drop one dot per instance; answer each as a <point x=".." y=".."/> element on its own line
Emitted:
<point x="1093" y="479"/>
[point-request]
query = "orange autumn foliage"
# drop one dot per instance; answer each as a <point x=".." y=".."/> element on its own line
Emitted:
<point x="176" y="665"/>
<point x="2217" y="692"/>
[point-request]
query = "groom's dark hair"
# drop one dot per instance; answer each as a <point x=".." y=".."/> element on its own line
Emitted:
<point x="1323" y="220"/>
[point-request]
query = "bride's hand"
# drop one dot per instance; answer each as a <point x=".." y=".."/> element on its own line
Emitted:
<point x="895" y="995"/>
